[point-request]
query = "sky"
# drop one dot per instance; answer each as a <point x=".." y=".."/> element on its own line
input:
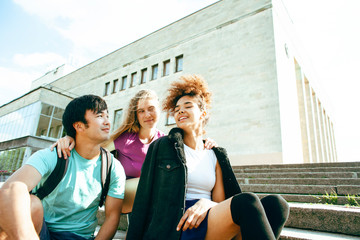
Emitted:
<point x="39" y="35"/>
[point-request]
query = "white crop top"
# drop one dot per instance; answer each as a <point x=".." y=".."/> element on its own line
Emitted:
<point x="201" y="173"/>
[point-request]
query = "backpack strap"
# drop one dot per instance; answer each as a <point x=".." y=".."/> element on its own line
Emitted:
<point x="105" y="174"/>
<point x="54" y="179"/>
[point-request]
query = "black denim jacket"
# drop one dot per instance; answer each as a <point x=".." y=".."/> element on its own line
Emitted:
<point x="160" y="197"/>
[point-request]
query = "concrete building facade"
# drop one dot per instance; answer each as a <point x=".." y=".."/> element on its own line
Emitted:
<point x="265" y="107"/>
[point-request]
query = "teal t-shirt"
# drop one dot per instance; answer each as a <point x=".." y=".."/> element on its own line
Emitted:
<point x="73" y="204"/>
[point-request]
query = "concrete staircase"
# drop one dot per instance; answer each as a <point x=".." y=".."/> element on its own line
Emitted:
<point x="305" y="186"/>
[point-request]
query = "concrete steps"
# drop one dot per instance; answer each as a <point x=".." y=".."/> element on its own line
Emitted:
<point x="295" y="180"/>
<point x="300" y="181"/>
<point x="320" y="175"/>
<point x="302" y="189"/>
<point x="340" y="200"/>
<point x="304" y="186"/>
<point x="301" y="165"/>
<point x="325" y="218"/>
<point x="300" y="234"/>
<point x="298" y="169"/>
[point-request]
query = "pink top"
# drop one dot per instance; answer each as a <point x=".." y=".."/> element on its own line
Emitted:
<point x="132" y="152"/>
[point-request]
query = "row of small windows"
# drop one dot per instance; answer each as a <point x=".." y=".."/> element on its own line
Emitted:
<point x="144" y="75"/>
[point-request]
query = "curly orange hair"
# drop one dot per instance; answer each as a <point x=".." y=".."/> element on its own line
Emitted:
<point x="188" y="85"/>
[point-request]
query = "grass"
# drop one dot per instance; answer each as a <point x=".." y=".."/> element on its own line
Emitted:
<point x="332" y="199"/>
<point x="328" y="198"/>
<point x="353" y="200"/>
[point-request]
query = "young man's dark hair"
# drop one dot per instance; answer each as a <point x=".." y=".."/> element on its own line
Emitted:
<point x="76" y="109"/>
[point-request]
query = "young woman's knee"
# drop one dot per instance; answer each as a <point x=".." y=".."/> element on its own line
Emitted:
<point x="274" y="199"/>
<point x="276" y="208"/>
<point x="244" y="205"/>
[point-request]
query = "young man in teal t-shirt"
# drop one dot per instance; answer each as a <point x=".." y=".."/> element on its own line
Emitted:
<point x="69" y="211"/>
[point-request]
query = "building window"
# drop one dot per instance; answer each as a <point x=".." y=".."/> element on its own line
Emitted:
<point x="179" y="63"/>
<point x="117" y="118"/>
<point x="133" y="79"/>
<point x="115" y="85"/>
<point x="50" y="122"/>
<point x="170" y="120"/>
<point x="123" y="82"/>
<point x="20" y="123"/>
<point x="166" y="67"/>
<point x="154" y="71"/>
<point x="107" y="89"/>
<point x="143" y="76"/>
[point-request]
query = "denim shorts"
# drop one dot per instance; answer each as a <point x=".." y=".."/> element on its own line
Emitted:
<point x="45" y="234"/>
<point x="195" y="233"/>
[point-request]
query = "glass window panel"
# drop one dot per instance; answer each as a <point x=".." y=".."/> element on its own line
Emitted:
<point x="59" y="131"/>
<point x="117" y="118"/>
<point x="115" y="85"/>
<point x="58" y="113"/>
<point x="166" y="67"/>
<point x="133" y="79"/>
<point x="26" y="127"/>
<point x="123" y="82"/>
<point x="23" y="122"/>
<point x="55" y="128"/>
<point x="179" y="63"/>
<point x="16" y="127"/>
<point x="43" y="126"/>
<point x="46" y="109"/>
<point x="143" y="76"/>
<point x="154" y="71"/>
<point x="6" y="132"/>
<point x="107" y="89"/>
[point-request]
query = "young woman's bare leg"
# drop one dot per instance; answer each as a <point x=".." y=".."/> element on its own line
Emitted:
<point x="220" y="223"/>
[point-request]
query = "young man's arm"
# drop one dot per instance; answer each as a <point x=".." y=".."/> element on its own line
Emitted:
<point x="15" y="204"/>
<point x="26" y="174"/>
<point x="113" y="208"/>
